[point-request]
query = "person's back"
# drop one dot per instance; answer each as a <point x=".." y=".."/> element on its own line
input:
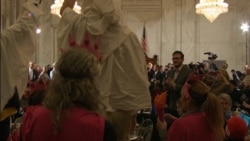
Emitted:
<point x="73" y="108"/>
<point x="203" y="119"/>
<point x="79" y="124"/>
<point x="193" y="127"/>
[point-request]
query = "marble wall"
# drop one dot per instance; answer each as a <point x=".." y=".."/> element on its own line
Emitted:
<point x="179" y="28"/>
<point x="170" y="25"/>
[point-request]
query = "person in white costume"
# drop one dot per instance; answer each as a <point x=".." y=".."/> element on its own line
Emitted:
<point x="17" y="47"/>
<point x="123" y="81"/>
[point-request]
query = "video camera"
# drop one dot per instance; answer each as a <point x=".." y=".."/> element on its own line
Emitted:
<point x="198" y="65"/>
<point x="211" y="56"/>
<point x="198" y="68"/>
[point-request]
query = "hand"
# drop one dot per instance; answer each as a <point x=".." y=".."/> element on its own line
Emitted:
<point x="246" y="105"/>
<point x="170" y="82"/>
<point x="161" y="125"/>
<point x="247" y="138"/>
<point x="67" y="3"/>
<point x="152" y="80"/>
<point x="170" y="116"/>
<point x="31" y="7"/>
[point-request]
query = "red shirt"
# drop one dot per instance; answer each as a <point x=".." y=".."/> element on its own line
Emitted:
<point x="79" y="125"/>
<point x="193" y="127"/>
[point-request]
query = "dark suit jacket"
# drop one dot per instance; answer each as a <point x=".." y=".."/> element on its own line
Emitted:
<point x="35" y="75"/>
<point x="158" y="76"/>
<point x="175" y="93"/>
<point x="150" y="74"/>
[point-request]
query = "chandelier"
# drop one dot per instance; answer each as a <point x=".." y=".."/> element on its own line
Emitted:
<point x="55" y="8"/>
<point x="211" y="9"/>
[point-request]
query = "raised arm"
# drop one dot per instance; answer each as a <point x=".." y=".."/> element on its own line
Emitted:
<point x="67" y="3"/>
<point x="18" y="44"/>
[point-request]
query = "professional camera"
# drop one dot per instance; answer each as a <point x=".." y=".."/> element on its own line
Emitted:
<point x="211" y="56"/>
<point x="198" y="68"/>
<point x="198" y="65"/>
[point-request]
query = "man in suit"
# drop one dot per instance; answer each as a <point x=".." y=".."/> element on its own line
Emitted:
<point x="236" y="76"/>
<point x="175" y="80"/>
<point x="33" y="73"/>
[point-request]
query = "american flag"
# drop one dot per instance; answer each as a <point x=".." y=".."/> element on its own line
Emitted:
<point x="144" y="40"/>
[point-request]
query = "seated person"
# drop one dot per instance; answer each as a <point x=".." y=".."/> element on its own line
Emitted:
<point x="226" y="103"/>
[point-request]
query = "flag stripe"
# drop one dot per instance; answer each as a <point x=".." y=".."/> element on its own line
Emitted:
<point x="144" y="40"/>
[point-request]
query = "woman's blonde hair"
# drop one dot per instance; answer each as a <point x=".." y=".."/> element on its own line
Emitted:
<point x="74" y="84"/>
<point x="226" y="97"/>
<point x="209" y="103"/>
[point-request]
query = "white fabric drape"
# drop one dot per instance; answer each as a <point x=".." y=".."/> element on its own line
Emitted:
<point x="123" y="81"/>
<point x="17" y="46"/>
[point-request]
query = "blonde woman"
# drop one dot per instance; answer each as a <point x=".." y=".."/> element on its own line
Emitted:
<point x="203" y="120"/>
<point x="72" y="108"/>
<point x="226" y="103"/>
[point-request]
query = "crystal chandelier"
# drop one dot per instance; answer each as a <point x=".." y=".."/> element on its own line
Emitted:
<point x="55" y="8"/>
<point x="211" y="9"/>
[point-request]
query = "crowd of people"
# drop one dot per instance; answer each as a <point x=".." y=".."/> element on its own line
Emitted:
<point x="94" y="91"/>
<point x="87" y="96"/>
<point x="205" y="101"/>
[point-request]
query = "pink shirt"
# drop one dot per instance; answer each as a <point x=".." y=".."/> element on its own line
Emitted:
<point x="192" y="127"/>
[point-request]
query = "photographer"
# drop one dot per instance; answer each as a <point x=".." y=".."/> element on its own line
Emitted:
<point x="197" y="68"/>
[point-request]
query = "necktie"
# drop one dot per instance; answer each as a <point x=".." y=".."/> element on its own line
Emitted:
<point x="176" y="74"/>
